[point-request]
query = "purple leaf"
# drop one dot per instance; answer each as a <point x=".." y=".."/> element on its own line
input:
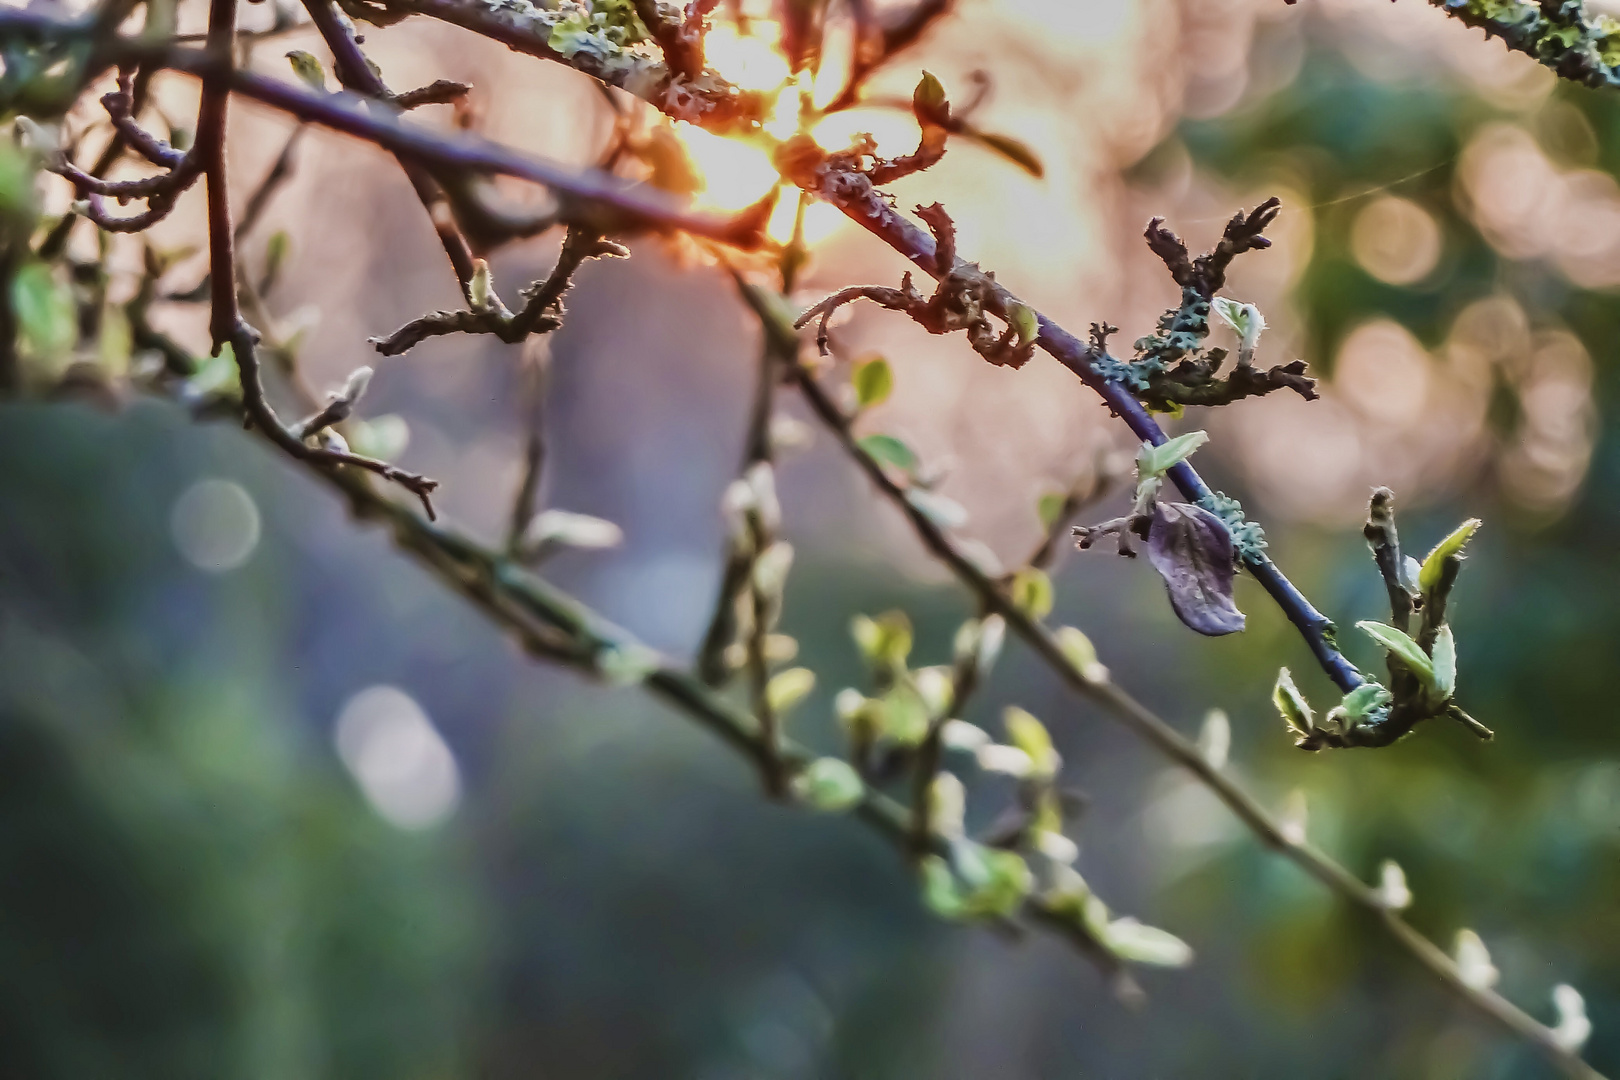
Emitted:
<point x="1192" y="550"/>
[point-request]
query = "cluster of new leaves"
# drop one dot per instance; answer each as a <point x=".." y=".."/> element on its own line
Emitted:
<point x="1422" y="668"/>
<point x="911" y="723"/>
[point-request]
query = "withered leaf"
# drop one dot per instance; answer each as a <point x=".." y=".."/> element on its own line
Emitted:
<point x="1192" y="550"/>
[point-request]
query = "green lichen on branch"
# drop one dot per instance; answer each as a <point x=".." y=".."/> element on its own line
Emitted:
<point x="1248" y="538"/>
<point x="1558" y="33"/>
<point x="605" y="39"/>
<point x="1171" y="367"/>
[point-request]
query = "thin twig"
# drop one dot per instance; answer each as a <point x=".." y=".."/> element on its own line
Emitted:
<point x="535" y="373"/>
<point x="279" y="174"/>
<point x="225" y="323"/>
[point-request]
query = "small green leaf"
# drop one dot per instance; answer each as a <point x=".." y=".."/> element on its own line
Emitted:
<point x="1402" y="647"/>
<point x="1393" y="892"/>
<point x="116" y="342"/>
<point x="1050" y="507"/>
<point x="276" y="250"/>
<point x="1245" y="319"/>
<point x="1010" y="881"/>
<point x="308" y="68"/>
<point x="942" y="510"/>
<point x="1032" y="592"/>
<point x="217" y="376"/>
<point x="481" y="289"/>
<point x="873" y="380"/>
<point x="771" y="570"/>
<point x="564" y="528"/>
<point x="1361" y="701"/>
<point x="984" y="638"/>
<point x="905" y="716"/>
<point x="44" y="309"/>
<point x="940" y="891"/>
<point x="1142" y="944"/>
<point x="1079" y="651"/>
<point x="885" y="640"/>
<point x="1474" y="967"/>
<point x="1031" y="736"/>
<point x="1022" y="318"/>
<point x="17" y="172"/>
<point x="928" y="101"/>
<point x="947" y="804"/>
<point x="1152" y="461"/>
<point x="889" y="450"/>
<point x="787" y="688"/>
<point x="1449" y="548"/>
<point x="1445" y="663"/>
<point x="1574" y="1027"/>
<point x="936" y="688"/>
<point x="1296" y="711"/>
<point x="382" y="437"/>
<point x="829" y="784"/>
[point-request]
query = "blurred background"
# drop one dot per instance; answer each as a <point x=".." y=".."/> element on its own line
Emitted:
<point x="275" y="804"/>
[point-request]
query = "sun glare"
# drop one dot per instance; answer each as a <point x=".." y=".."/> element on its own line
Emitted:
<point x="736" y="173"/>
<point x="751" y="61"/>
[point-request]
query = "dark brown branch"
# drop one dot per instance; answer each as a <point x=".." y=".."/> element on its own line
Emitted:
<point x="120" y="106"/>
<point x="225" y="323"/>
<point x="181" y="170"/>
<point x="437" y="92"/>
<point x="1193" y="382"/>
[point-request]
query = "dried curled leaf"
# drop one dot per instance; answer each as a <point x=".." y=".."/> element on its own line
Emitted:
<point x="1192" y="550"/>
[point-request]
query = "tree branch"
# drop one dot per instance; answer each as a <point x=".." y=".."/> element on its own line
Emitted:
<point x="855" y="195"/>
<point x="1167" y="742"/>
